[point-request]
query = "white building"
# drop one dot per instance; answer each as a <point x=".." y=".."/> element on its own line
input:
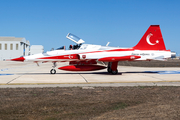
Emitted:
<point x="12" y="47"/>
<point x="34" y="49"/>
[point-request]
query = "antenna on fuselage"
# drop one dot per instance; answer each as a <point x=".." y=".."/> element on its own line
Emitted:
<point x="107" y="44"/>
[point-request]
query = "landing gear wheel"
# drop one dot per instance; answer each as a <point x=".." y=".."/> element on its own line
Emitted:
<point x="115" y="72"/>
<point x="53" y="71"/>
<point x="109" y="70"/>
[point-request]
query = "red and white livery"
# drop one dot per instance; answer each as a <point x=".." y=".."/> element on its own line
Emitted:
<point x="84" y="57"/>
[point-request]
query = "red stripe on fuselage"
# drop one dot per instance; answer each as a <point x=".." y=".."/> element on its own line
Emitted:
<point x="69" y="56"/>
<point x="115" y="50"/>
<point x="76" y="56"/>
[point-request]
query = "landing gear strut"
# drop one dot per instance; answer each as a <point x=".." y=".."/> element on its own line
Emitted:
<point x="53" y="71"/>
<point x="109" y="70"/>
<point x="109" y="67"/>
<point x="112" y="68"/>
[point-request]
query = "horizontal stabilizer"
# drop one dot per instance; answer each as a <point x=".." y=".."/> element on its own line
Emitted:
<point x="121" y="58"/>
<point x="160" y="58"/>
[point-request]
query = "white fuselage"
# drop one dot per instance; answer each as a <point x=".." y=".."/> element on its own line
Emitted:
<point x="88" y="52"/>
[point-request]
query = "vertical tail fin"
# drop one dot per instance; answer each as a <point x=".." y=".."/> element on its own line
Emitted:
<point x="151" y="40"/>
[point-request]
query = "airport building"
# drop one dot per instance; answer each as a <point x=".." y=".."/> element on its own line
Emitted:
<point x="12" y="47"/>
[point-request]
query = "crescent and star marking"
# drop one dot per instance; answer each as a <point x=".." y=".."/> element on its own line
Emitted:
<point x="148" y="39"/>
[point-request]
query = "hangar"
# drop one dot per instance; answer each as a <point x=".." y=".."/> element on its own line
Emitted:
<point x="13" y="47"/>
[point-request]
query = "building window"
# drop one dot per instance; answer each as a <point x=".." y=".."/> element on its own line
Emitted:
<point x="17" y="47"/>
<point x="0" y="47"/>
<point x="11" y="46"/>
<point x="5" y="46"/>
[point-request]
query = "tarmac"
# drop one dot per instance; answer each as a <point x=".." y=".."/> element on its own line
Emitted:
<point x="24" y="74"/>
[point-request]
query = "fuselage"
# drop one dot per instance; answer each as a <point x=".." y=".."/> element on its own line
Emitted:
<point x="70" y="55"/>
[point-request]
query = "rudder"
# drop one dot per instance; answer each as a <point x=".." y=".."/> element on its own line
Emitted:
<point x="151" y="40"/>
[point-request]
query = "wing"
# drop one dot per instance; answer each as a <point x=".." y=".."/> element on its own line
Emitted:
<point x="119" y="58"/>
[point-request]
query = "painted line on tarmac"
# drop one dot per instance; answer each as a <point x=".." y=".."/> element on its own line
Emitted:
<point x="84" y="78"/>
<point x="169" y="72"/>
<point x="163" y="72"/>
<point x="167" y="81"/>
<point x="5" y="74"/>
<point x="93" y="85"/>
<point x="4" y="69"/>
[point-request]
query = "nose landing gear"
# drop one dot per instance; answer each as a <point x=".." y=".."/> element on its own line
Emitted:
<point x="53" y="71"/>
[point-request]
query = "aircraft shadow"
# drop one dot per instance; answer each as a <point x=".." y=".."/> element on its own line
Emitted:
<point x="98" y="73"/>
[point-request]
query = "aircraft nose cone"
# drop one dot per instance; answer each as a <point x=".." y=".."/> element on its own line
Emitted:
<point x="18" y="59"/>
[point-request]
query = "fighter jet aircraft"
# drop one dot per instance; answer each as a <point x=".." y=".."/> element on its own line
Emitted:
<point x="84" y="57"/>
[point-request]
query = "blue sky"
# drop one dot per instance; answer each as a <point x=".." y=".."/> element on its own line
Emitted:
<point x="121" y="22"/>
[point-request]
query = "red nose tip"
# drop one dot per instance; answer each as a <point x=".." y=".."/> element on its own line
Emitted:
<point x="18" y="59"/>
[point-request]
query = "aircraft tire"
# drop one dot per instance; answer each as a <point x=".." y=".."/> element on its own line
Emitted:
<point x="109" y="70"/>
<point x="53" y="71"/>
<point x="115" y="72"/>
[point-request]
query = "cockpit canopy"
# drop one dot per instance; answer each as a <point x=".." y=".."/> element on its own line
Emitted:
<point x="80" y="46"/>
<point x="74" y="38"/>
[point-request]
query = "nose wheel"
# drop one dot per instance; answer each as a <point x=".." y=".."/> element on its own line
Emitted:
<point x="53" y="71"/>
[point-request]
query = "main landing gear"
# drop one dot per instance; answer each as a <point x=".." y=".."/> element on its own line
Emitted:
<point x="112" y="72"/>
<point x="115" y="72"/>
<point x="53" y="71"/>
<point x="112" y="68"/>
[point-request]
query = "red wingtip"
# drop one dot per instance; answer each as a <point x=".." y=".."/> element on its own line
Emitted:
<point x="18" y="59"/>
